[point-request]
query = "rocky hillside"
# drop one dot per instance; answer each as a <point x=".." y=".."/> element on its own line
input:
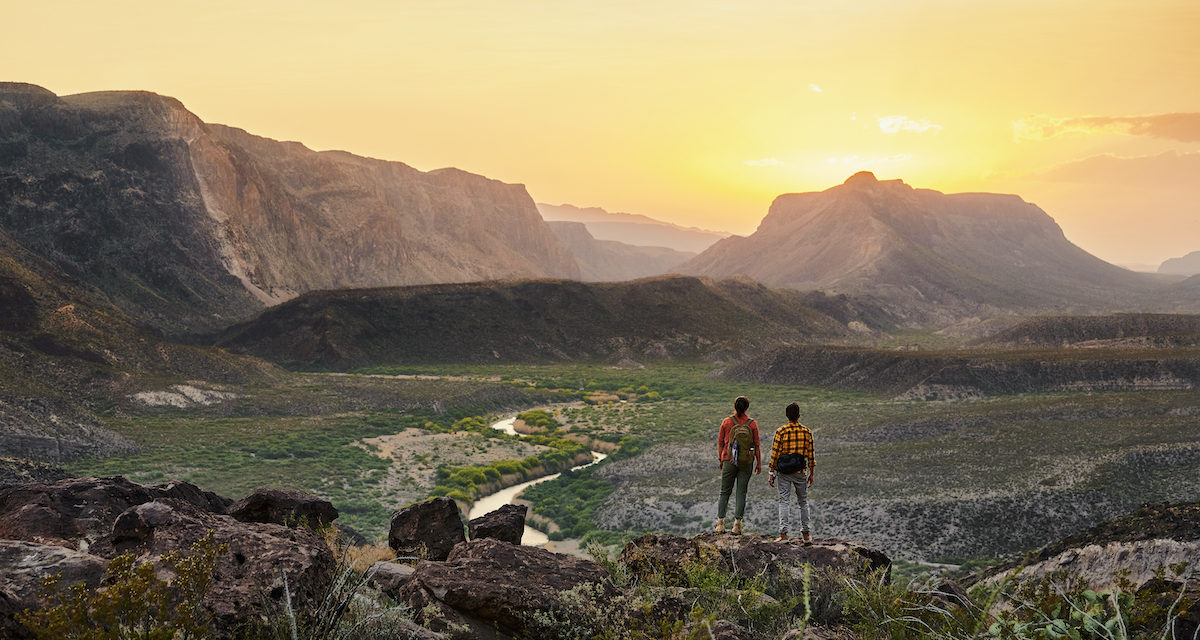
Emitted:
<point x="65" y="351"/>
<point x="959" y="374"/>
<point x="1188" y="265"/>
<point x="187" y="225"/>
<point x="1127" y="330"/>
<point x="531" y="321"/>
<point x="612" y="261"/>
<point x="632" y="228"/>
<point x="1144" y="543"/>
<point x="934" y="257"/>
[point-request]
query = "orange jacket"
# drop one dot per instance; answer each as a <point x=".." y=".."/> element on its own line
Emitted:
<point x="723" y="438"/>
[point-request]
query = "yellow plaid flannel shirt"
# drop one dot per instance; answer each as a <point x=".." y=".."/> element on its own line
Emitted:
<point x="793" y="437"/>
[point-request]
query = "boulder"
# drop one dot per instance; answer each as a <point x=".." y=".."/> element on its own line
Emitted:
<point x="506" y="524"/>
<point x="76" y="512"/>
<point x="388" y="576"/>
<point x="288" y="507"/>
<point x="23" y="565"/>
<point x="667" y="555"/>
<point x="250" y="572"/>
<point x="428" y="529"/>
<point x="487" y="585"/>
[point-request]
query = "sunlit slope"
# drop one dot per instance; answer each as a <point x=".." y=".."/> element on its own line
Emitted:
<point x="933" y="256"/>
<point x="192" y="226"/>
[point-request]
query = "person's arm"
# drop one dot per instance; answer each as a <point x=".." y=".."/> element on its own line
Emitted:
<point x="722" y="442"/>
<point x="812" y="462"/>
<point x="757" y="448"/>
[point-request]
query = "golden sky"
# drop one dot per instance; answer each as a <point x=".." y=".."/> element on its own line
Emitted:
<point x="695" y="112"/>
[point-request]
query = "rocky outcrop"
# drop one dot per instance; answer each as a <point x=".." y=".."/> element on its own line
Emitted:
<point x="933" y="257"/>
<point x="1138" y="546"/>
<point x="78" y="525"/>
<point x="669" y="555"/>
<point x="191" y="226"/>
<point x="428" y="529"/>
<point x="284" y="506"/>
<point x="77" y="512"/>
<point x="487" y="585"/>
<point x="506" y="524"/>
<point x="260" y="556"/>
<point x="23" y="566"/>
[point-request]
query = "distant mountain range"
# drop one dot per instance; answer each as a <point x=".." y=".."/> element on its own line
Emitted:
<point x="933" y="258"/>
<point x="633" y="228"/>
<point x="192" y="226"/>
<point x="1188" y="265"/>
<point x="609" y="260"/>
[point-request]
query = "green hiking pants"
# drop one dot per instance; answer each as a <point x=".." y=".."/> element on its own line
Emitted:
<point x="731" y="475"/>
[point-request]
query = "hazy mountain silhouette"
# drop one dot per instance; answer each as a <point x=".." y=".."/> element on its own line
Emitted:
<point x="190" y="225"/>
<point x="632" y="228"/>
<point x="1188" y="265"/>
<point x="610" y="260"/>
<point x="934" y="257"/>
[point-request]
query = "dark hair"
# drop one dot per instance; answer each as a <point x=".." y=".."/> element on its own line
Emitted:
<point x="740" y="404"/>
<point x="792" y="412"/>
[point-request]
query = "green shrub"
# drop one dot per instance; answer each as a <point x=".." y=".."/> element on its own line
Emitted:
<point x="135" y="604"/>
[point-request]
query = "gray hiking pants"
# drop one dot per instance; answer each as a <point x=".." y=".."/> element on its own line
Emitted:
<point x="785" y="482"/>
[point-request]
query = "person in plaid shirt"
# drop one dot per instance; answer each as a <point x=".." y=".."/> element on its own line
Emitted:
<point x="793" y="438"/>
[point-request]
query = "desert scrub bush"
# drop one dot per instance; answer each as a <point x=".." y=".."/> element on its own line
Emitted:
<point x="349" y="609"/>
<point x="1054" y="607"/>
<point x="134" y="604"/>
<point x="752" y="601"/>
<point x="539" y="418"/>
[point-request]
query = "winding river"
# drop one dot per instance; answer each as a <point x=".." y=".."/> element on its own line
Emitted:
<point x="489" y="503"/>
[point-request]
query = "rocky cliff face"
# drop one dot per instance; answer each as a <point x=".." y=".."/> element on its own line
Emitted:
<point x="930" y="254"/>
<point x="190" y="226"/>
<point x="612" y="261"/>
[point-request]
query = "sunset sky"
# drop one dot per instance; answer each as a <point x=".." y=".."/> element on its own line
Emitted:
<point x="698" y="113"/>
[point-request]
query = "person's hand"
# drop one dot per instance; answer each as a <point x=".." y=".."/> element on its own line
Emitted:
<point x="758" y="468"/>
<point x="720" y="464"/>
<point x="771" y="481"/>
<point x="811" y="475"/>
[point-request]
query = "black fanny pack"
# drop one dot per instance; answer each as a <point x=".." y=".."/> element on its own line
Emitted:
<point x="791" y="463"/>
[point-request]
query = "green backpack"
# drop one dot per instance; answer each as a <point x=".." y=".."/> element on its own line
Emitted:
<point x="741" y="443"/>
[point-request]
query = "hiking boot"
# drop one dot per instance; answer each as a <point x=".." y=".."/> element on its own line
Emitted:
<point x="807" y="538"/>
<point x="782" y="537"/>
<point x="720" y="526"/>
<point x="737" y="527"/>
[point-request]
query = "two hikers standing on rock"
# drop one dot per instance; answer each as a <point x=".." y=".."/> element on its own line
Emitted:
<point x="791" y="456"/>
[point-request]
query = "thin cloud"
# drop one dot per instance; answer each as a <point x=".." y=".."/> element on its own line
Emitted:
<point x="1182" y="127"/>
<point x="815" y="88"/>
<point x="896" y="124"/>
<point x="766" y="162"/>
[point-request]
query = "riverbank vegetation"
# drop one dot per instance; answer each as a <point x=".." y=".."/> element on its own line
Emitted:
<point x="1007" y="473"/>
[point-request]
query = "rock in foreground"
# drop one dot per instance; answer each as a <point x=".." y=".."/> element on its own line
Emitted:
<point x="427" y="529"/>
<point x="506" y="524"/>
